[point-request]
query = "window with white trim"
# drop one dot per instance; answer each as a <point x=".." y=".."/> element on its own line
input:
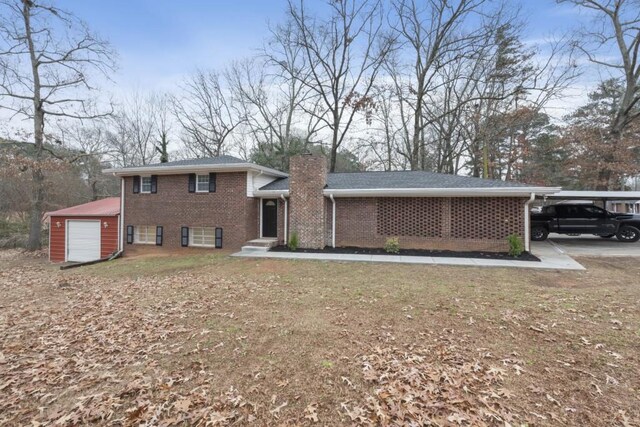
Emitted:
<point x="145" y="184"/>
<point x="144" y="234"/>
<point x="202" y="183"/>
<point x="202" y="236"/>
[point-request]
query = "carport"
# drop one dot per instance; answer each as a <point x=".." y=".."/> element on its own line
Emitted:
<point x="588" y="245"/>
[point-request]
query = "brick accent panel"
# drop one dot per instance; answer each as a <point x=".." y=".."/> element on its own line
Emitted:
<point x="307" y="211"/>
<point x="174" y="207"/>
<point x="480" y="224"/>
<point x="487" y="218"/>
<point x="413" y="216"/>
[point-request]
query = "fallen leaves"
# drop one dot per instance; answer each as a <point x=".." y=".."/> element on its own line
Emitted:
<point x="432" y="385"/>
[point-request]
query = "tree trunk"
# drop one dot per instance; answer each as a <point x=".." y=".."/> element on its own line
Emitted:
<point x="37" y="197"/>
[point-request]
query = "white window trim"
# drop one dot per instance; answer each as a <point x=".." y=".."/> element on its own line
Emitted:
<point x="201" y="245"/>
<point x="136" y="235"/>
<point x="142" y="178"/>
<point x="198" y="182"/>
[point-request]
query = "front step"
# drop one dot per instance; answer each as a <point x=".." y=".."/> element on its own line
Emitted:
<point x="255" y="248"/>
<point x="262" y="243"/>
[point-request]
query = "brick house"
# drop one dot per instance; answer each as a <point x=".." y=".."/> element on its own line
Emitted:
<point x="225" y="202"/>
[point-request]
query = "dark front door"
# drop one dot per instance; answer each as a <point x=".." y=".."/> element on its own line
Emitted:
<point x="269" y="218"/>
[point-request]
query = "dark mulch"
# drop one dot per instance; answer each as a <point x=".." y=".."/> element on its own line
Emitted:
<point x="526" y="256"/>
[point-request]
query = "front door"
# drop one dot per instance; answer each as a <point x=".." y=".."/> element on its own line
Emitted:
<point x="269" y="218"/>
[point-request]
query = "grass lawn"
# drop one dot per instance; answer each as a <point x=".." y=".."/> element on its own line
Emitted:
<point x="213" y="340"/>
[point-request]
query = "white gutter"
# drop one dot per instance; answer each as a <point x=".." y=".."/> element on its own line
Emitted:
<point x="333" y="222"/>
<point x="441" y="192"/>
<point x="172" y="170"/>
<point x="271" y="193"/>
<point x="527" y="223"/>
<point x="424" y="192"/>
<point x="286" y="217"/>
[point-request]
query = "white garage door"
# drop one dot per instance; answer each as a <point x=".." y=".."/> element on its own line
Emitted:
<point x="83" y="240"/>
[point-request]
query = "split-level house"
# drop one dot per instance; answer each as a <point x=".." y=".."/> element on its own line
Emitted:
<point x="225" y="202"/>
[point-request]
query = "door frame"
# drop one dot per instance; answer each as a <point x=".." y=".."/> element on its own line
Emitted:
<point x="262" y="201"/>
<point x="66" y="236"/>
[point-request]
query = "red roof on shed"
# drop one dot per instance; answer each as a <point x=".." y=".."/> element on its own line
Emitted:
<point x="105" y="207"/>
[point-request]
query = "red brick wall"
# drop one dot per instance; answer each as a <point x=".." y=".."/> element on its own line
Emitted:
<point x="174" y="207"/>
<point x="429" y="223"/>
<point x="307" y="179"/>
<point x="58" y="236"/>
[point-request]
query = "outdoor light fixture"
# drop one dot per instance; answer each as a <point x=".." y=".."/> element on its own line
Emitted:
<point x="58" y="224"/>
<point x="106" y="224"/>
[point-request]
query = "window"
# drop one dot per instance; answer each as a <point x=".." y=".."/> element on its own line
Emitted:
<point x="146" y="184"/>
<point x="202" y="183"/>
<point x="144" y="234"/>
<point x="202" y="236"/>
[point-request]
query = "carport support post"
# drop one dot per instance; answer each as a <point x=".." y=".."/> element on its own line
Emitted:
<point x="527" y="223"/>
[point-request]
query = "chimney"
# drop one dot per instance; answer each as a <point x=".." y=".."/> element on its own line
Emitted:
<point x="307" y="179"/>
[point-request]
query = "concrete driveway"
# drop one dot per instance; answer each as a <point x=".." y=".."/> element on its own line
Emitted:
<point x="593" y="246"/>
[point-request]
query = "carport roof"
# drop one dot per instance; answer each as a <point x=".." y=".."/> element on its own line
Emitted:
<point x="599" y="195"/>
<point x="105" y="207"/>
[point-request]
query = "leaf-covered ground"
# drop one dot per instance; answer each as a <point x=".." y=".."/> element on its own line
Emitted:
<point x="211" y="340"/>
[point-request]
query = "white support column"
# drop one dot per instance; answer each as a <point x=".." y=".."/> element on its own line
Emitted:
<point x="286" y="219"/>
<point x="333" y="222"/>
<point x="527" y="223"/>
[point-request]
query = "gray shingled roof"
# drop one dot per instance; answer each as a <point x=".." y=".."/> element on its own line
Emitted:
<point x="399" y="179"/>
<point x="220" y="160"/>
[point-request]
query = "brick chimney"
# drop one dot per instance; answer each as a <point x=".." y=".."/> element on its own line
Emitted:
<point x="307" y="179"/>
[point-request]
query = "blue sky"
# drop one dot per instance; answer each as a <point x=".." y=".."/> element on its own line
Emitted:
<point x="159" y="41"/>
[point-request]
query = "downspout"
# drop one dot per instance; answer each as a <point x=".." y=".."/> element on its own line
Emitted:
<point x="527" y="223"/>
<point x="121" y="218"/>
<point x="333" y="222"/>
<point x="286" y="217"/>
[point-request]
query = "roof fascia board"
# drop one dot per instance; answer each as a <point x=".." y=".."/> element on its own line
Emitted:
<point x="424" y="192"/>
<point x="442" y="192"/>
<point x="271" y="193"/>
<point x="172" y="170"/>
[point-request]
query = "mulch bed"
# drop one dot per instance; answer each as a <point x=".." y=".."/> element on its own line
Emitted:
<point x="526" y="256"/>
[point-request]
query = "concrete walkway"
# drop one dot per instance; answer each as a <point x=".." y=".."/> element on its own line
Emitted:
<point x="549" y="256"/>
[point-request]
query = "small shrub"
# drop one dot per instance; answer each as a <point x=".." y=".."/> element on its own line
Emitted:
<point x="392" y="245"/>
<point x="293" y="241"/>
<point x="516" y="246"/>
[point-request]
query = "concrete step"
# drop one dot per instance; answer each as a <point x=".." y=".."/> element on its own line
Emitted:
<point x="263" y="242"/>
<point x="248" y="248"/>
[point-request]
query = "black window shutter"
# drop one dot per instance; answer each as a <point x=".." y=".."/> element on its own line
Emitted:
<point x="212" y="182"/>
<point x="154" y="184"/>
<point x="129" y="234"/>
<point x="136" y="184"/>
<point x="192" y="183"/>
<point x="159" y="235"/>
<point x="184" y="237"/>
<point x="218" y="238"/>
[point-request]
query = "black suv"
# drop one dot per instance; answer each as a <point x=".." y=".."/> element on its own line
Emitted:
<point x="576" y="219"/>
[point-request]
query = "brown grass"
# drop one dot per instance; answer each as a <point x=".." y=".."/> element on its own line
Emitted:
<point x="211" y="339"/>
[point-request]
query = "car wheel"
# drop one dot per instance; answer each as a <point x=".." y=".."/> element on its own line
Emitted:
<point x="606" y="236"/>
<point x="539" y="233"/>
<point x="628" y="234"/>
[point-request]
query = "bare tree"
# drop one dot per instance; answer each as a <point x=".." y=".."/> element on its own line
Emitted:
<point x="345" y="53"/>
<point x="161" y="116"/>
<point x="616" y="29"/>
<point x="207" y="113"/>
<point x="432" y="35"/>
<point x="274" y="100"/>
<point x="47" y="58"/>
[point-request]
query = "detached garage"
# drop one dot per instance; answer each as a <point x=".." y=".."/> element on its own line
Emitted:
<point x="85" y="232"/>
